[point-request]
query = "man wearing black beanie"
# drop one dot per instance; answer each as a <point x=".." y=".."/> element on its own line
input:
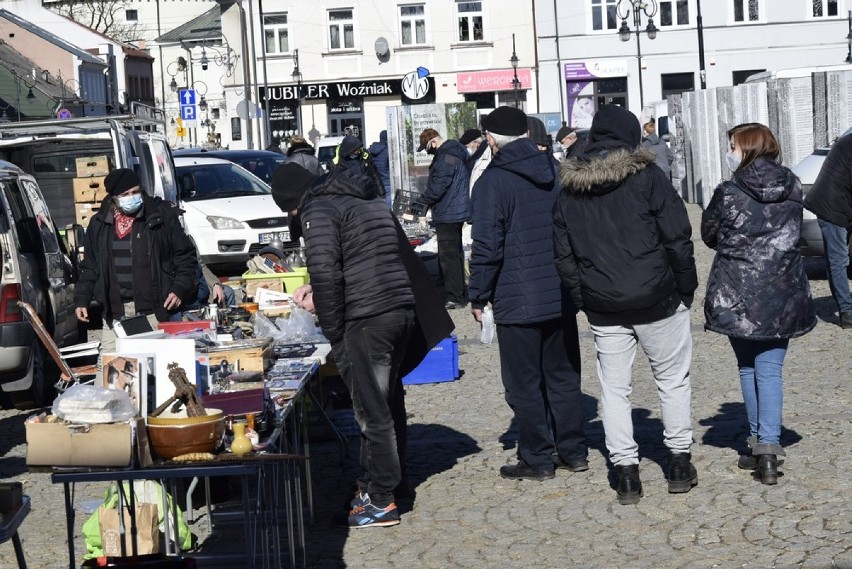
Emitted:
<point x="138" y="259"/>
<point x="622" y="247"/>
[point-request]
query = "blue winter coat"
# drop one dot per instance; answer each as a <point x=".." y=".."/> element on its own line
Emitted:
<point x="448" y="191"/>
<point x="511" y="261"/>
<point x="379" y="152"/>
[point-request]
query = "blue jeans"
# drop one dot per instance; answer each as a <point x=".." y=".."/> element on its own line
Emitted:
<point x="760" y="364"/>
<point x="834" y="239"/>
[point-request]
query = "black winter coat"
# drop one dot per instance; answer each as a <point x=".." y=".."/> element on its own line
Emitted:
<point x="353" y="252"/>
<point x="757" y="287"/>
<point x="622" y="239"/>
<point x="173" y="258"/>
<point x="448" y="190"/>
<point x="511" y="261"/>
<point x="381" y="160"/>
<point x="830" y="198"/>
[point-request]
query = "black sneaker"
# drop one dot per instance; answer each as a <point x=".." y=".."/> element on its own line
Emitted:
<point x="682" y="475"/>
<point x="366" y="514"/>
<point x="628" y="486"/>
<point x="573" y="464"/>
<point x="522" y="471"/>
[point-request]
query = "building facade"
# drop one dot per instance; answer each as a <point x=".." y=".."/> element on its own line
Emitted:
<point x="583" y="63"/>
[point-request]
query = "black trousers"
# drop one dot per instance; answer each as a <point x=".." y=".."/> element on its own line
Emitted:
<point x="540" y="366"/>
<point x="368" y="358"/>
<point x="451" y="260"/>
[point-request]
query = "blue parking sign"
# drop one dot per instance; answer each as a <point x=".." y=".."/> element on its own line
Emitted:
<point x="187" y="113"/>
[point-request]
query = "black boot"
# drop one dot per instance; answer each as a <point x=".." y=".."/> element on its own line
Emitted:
<point x="629" y="487"/>
<point x="748" y="461"/>
<point x="767" y="467"/>
<point x="682" y="475"/>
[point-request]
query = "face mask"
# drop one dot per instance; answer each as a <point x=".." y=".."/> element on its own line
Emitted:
<point x="733" y="161"/>
<point x="130" y="204"/>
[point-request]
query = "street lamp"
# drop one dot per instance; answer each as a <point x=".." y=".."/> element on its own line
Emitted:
<point x="702" y="71"/>
<point x="180" y="65"/>
<point x="516" y="83"/>
<point x="849" y="40"/>
<point x="637" y="8"/>
<point x="297" y="77"/>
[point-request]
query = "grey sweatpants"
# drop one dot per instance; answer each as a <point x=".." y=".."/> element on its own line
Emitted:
<point x="668" y="345"/>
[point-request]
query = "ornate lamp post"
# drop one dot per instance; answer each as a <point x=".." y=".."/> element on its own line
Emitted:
<point x="297" y="77"/>
<point x="624" y="8"/>
<point x="849" y="40"/>
<point x="516" y="83"/>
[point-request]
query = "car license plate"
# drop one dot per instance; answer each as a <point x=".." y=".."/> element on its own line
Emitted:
<point x="265" y="238"/>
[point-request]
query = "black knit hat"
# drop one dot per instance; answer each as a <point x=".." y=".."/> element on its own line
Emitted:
<point x="470" y="135"/>
<point x="563" y="132"/>
<point x="120" y="180"/>
<point x="537" y="131"/>
<point x="507" y="121"/>
<point x="349" y="145"/>
<point x="614" y="127"/>
<point x="289" y="183"/>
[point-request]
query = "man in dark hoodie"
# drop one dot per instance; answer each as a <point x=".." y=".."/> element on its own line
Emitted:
<point x="447" y="194"/>
<point x="623" y="249"/>
<point x="512" y="267"/>
<point x="381" y="160"/>
<point x="350" y="154"/>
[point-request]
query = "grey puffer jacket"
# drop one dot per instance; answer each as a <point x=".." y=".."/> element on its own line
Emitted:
<point x="757" y="288"/>
<point x="662" y="152"/>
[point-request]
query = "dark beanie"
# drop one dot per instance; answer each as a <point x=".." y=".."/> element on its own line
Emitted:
<point x="289" y="183"/>
<point x="470" y="135"/>
<point x="614" y="127"/>
<point x="538" y="132"/>
<point x="507" y="121"/>
<point x="563" y="132"/>
<point x="349" y="145"/>
<point x="383" y="136"/>
<point x="120" y="180"/>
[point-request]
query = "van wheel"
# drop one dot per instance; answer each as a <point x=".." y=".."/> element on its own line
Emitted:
<point x="45" y="374"/>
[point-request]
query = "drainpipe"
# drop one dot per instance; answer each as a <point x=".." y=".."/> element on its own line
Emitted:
<point x="559" y="72"/>
<point x="246" y="82"/>
<point x="254" y="62"/>
<point x="268" y="138"/>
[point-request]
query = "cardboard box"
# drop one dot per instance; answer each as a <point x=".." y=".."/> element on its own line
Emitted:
<point x="244" y="359"/>
<point x="85" y="211"/>
<point x="92" y="166"/>
<point x="279" y="282"/>
<point x="89" y="190"/>
<point x="110" y="444"/>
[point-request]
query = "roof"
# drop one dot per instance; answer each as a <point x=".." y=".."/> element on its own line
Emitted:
<point x="81" y="54"/>
<point x="198" y="30"/>
<point x="17" y="71"/>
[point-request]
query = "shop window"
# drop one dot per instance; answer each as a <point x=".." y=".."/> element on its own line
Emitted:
<point x="412" y="24"/>
<point x="825" y="8"/>
<point x="676" y="83"/>
<point x="131" y="15"/>
<point x="341" y="29"/>
<point x="482" y="100"/>
<point x="512" y="99"/>
<point x="740" y="77"/>
<point x="746" y="10"/>
<point x="276" y="32"/>
<point x="604" y="15"/>
<point x="470" y="15"/>
<point x="674" y="13"/>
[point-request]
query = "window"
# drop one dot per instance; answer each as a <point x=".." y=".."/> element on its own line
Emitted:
<point x="276" y="33"/>
<point x="341" y="29"/>
<point x="603" y="15"/>
<point x="674" y="13"/>
<point x="131" y="15"/>
<point x="739" y="77"/>
<point x="746" y="10"/>
<point x="675" y="83"/>
<point x="825" y="8"/>
<point x="412" y="24"/>
<point x="470" y="21"/>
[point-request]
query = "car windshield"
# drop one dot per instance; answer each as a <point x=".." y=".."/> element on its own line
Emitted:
<point x="213" y="181"/>
<point x="261" y="167"/>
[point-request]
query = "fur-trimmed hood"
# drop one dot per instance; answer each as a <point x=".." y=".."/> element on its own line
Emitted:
<point x="602" y="173"/>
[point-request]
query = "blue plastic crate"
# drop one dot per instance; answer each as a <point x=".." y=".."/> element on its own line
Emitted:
<point x="440" y="364"/>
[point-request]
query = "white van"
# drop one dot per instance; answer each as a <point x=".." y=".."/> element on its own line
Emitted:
<point x="325" y="148"/>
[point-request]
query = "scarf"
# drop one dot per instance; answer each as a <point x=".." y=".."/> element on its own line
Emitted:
<point x="123" y="223"/>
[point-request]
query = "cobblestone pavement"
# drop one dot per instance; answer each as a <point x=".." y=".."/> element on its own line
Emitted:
<point x="465" y="515"/>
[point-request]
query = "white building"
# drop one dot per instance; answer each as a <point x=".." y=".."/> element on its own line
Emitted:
<point x="582" y="63"/>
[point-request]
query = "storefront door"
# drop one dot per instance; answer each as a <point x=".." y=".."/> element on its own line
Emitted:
<point x="341" y="125"/>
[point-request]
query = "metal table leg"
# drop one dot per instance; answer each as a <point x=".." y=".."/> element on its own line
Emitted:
<point x="69" y="520"/>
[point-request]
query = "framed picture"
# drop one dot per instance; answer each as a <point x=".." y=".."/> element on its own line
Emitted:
<point x="128" y="373"/>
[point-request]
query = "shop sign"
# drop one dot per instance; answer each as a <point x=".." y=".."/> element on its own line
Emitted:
<point x="345" y="89"/>
<point x="495" y="80"/>
<point x="341" y="106"/>
<point x="596" y="68"/>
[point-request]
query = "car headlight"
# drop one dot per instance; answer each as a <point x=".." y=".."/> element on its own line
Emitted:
<point x="224" y="222"/>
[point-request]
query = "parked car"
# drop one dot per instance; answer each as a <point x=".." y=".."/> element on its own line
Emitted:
<point x="325" y="149"/>
<point x="38" y="269"/>
<point x="261" y="163"/>
<point x="807" y="170"/>
<point x="229" y="212"/>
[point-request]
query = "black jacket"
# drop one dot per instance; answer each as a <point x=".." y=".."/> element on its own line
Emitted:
<point x="448" y="190"/>
<point x="302" y="154"/>
<point x="381" y="161"/>
<point x="622" y="239"/>
<point x="173" y="258"/>
<point x="511" y="262"/>
<point x="353" y="252"/>
<point x="830" y="198"/>
<point x="757" y="287"/>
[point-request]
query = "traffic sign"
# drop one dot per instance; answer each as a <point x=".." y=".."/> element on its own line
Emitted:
<point x="186" y="97"/>
<point x="187" y="113"/>
<point x="64" y="114"/>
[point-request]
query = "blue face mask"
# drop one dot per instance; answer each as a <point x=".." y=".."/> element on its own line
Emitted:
<point x="130" y="204"/>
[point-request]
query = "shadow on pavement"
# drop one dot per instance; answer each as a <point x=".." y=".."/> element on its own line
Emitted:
<point x="13" y="436"/>
<point x="729" y="429"/>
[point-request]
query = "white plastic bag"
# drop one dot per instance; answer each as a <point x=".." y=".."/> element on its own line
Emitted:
<point x="90" y="404"/>
<point x="488" y="327"/>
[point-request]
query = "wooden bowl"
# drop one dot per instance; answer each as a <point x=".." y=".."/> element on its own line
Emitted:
<point x="174" y="435"/>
